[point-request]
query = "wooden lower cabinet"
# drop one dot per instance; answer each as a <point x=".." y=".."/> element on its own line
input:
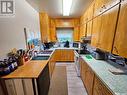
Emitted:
<point x="92" y="83"/>
<point x="89" y="79"/>
<point x="100" y="88"/>
<point x="87" y="76"/>
<point x="64" y="55"/>
<point x="29" y="86"/>
<point x="52" y="62"/>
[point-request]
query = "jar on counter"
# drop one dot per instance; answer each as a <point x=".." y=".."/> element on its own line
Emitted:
<point x="10" y="62"/>
<point x="1" y="68"/>
<point x="15" y="63"/>
<point x="6" y="67"/>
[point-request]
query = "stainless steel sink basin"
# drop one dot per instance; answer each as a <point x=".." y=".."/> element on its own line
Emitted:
<point x="40" y="58"/>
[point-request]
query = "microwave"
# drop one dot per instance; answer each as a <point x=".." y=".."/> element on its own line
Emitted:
<point x="76" y="44"/>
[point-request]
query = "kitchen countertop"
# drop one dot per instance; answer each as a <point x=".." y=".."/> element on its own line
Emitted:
<point x="116" y="83"/>
<point x="54" y="48"/>
<point x="31" y="69"/>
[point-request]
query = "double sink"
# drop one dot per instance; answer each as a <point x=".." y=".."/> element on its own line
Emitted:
<point x="43" y="55"/>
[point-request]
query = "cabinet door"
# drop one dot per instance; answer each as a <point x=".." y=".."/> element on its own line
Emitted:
<point x="96" y="31"/>
<point x="89" y="79"/>
<point x="90" y="11"/>
<point x="15" y="87"/>
<point x="44" y="27"/>
<point x="64" y="55"/>
<point x="83" y="30"/>
<point x="87" y="76"/>
<point x="120" y="44"/>
<point x="89" y="28"/>
<point x="99" y="88"/>
<point x="103" y="5"/>
<point x="53" y="37"/>
<point x="83" y="69"/>
<point x="58" y="55"/>
<point x="76" y="30"/>
<point x="108" y="27"/>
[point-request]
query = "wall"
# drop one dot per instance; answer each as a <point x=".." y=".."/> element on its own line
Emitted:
<point x="12" y="29"/>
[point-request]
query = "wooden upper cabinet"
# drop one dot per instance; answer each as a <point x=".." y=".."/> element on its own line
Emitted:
<point x="44" y="27"/>
<point x="53" y="36"/>
<point x="83" y="18"/>
<point x="64" y="23"/>
<point x="89" y="28"/>
<point x="83" y="31"/>
<point x="76" y="33"/>
<point x="103" y="5"/>
<point x="96" y="31"/>
<point x="108" y="27"/>
<point x="120" y="44"/>
<point x="90" y="11"/>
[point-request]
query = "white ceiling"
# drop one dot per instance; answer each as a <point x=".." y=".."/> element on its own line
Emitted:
<point x="54" y="7"/>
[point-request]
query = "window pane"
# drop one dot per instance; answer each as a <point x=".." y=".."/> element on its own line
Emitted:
<point x="64" y="35"/>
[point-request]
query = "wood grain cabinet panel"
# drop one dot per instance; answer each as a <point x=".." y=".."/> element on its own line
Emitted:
<point x="83" y="69"/>
<point x="83" y="31"/>
<point x="89" y="28"/>
<point x="64" y="55"/>
<point x="120" y="44"/>
<point x="90" y="11"/>
<point x="108" y="27"/>
<point x="44" y="27"/>
<point x="104" y="5"/>
<point x="51" y="63"/>
<point x="93" y="84"/>
<point x="99" y="88"/>
<point x="96" y="31"/>
<point x="86" y="22"/>
<point x="87" y="76"/>
<point x="53" y="36"/>
<point x="89" y="79"/>
<point x="76" y="33"/>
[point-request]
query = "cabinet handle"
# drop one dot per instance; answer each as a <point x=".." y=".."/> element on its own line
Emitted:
<point x="116" y="50"/>
<point x="104" y="6"/>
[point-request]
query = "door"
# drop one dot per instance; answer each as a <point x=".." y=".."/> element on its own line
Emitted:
<point x="120" y="44"/>
<point x="108" y="27"/>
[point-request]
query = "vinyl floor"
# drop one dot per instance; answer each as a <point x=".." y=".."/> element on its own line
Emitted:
<point x="65" y="81"/>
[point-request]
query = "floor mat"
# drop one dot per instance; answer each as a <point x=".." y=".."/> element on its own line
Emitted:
<point x="58" y="84"/>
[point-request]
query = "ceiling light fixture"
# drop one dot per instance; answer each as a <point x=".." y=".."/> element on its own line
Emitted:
<point x="67" y="7"/>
